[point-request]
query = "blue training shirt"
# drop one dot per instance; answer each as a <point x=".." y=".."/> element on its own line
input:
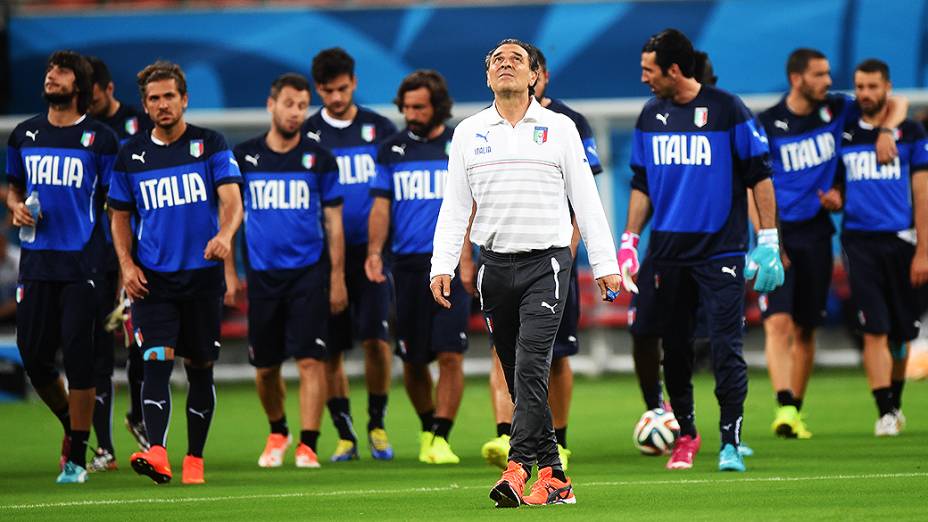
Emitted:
<point x="172" y="188"/>
<point x="586" y="133"/>
<point x="411" y="172"/>
<point x="284" y="195"/>
<point x="695" y="161"/>
<point x="70" y="168"/>
<point x="355" y="149"/>
<point x="878" y="198"/>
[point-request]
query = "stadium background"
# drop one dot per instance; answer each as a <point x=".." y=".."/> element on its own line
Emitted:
<point x="231" y="52"/>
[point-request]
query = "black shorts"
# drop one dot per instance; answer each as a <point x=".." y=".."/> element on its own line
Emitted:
<point x="105" y="289"/>
<point x="368" y="305"/>
<point x="566" y="343"/>
<point x="293" y="326"/>
<point x="643" y="316"/>
<point x="190" y="327"/>
<point x="878" y="269"/>
<point x="423" y="328"/>
<point x="52" y="315"/>
<point x="804" y="293"/>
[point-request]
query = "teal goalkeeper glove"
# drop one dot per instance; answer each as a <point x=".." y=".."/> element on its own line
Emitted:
<point x="764" y="262"/>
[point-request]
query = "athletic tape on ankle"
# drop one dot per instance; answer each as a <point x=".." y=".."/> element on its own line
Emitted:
<point x="158" y="353"/>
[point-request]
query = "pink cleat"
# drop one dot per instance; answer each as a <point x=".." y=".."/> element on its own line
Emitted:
<point x="684" y="450"/>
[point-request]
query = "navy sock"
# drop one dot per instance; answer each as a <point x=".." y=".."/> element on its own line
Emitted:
<point x="103" y="413"/>
<point x="340" y="410"/>
<point x="201" y="403"/>
<point x="442" y="427"/>
<point x="503" y="428"/>
<point x="156" y="400"/>
<point x="687" y="425"/>
<point x="561" y="434"/>
<point x="785" y="398"/>
<point x="897" y="387"/>
<point x="376" y="410"/>
<point x="280" y="426"/>
<point x="559" y="474"/>
<point x="427" y="419"/>
<point x="653" y="395"/>
<point x="884" y="400"/>
<point x="64" y="416"/>
<point x="135" y="372"/>
<point x="798" y="401"/>
<point x="78" y="454"/>
<point x="310" y="438"/>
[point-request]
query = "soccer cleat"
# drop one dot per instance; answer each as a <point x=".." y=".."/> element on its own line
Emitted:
<point x="564" y="454"/>
<point x="153" y="464"/>
<point x="548" y="490"/>
<point x="345" y="450"/>
<point x="788" y="424"/>
<point x="137" y="429"/>
<point x="72" y="474"/>
<point x="102" y="460"/>
<point x="193" y="470"/>
<point x="744" y="450"/>
<point x="684" y="450"/>
<point x="496" y="451"/>
<point x="65" y="451"/>
<point x="379" y="444"/>
<point x="730" y="459"/>
<point x="900" y="419"/>
<point x="507" y="493"/>
<point x="887" y="426"/>
<point x="425" y="442"/>
<point x="439" y="452"/>
<point x="306" y="457"/>
<point x="273" y="454"/>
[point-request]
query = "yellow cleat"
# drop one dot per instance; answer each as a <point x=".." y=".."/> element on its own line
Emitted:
<point x="788" y="424"/>
<point x="439" y="452"/>
<point x="345" y="450"/>
<point x="425" y="442"/>
<point x="564" y="454"/>
<point x="496" y="451"/>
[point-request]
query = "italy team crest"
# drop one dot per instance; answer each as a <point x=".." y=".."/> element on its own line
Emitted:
<point x="541" y="135"/>
<point x="701" y="116"/>
<point x="825" y="114"/>
<point x="196" y="148"/>
<point x="132" y="126"/>
<point x="308" y="161"/>
<point x="87" y="138"/>
<point x="20" y="292"/>
<point x="368" y="132"/>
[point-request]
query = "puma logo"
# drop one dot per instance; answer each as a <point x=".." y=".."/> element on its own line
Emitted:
<point x="139" y="157"/>
<point x="663" y="117"/>
<point x="200" y="414"/>
<point x="101" y="398"/>
<point x="729" y="270"/>
<point x="544" y="304"/>
<point x="781" y="124"/>
<point x="726" y="427"/>
<point x="399" y="149"/>
<point x="252" y="159"/>
<point x="32" y="134"/>
<point x="484" y="136"/>
<point x="159" y="404"/>
<point x="848" y="136"/>
<point x="315" y="136"/>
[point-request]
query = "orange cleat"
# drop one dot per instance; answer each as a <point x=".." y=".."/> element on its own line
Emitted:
<point x="273" y="455"/>
<point x="153" y="464"/>
<point x="193" y="470"/>
<point x="549" y="490"/>
<point x="507" y="493"/>
<point x="306" y="457"/>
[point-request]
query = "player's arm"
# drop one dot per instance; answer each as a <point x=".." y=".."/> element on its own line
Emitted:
<point x="16" y="202"/>
<point x="378" y="228"/>
<point x="230" y="217"/>
<point x="467" y="269"/>
<point x="335" y="239"/>
<point x="897" y="108"/>
<point x="133" y="279"/>
<point x="919" y="271"/>
<point x="766" y="204"/>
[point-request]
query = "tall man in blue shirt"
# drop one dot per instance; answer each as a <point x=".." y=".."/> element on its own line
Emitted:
<point x="181" y="181"/>
<point x="65" y="159"/>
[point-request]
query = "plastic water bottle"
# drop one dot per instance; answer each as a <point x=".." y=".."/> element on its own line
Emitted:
<point x="27" y="234"/>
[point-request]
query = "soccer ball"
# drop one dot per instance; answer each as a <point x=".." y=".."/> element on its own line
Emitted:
<point x="656" y="432"/>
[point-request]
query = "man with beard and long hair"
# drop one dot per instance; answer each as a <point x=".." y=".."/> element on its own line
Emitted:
<point x="65" y="159"/>
<point x="290" y="184"/>
<point x="411" y="175"/>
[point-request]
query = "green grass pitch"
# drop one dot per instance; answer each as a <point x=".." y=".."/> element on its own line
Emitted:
<point x="842" y="473"/>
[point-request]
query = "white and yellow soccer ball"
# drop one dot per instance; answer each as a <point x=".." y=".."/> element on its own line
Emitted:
<point x="656" y="432"/>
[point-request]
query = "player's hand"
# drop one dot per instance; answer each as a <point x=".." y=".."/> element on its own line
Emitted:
<point x="218" y="248"/>
<point x="233" y="290"/>
<point x="919" y="270"/>
<point x="441" y="290"/>
<point x="468" y="274"/>
<point x="22" y="217"/>
<point x="831" y="200"/>
<point x="764" y="262"/>
<point x="133" y="280"/>
<point x="609" y="286"/>
<point x="373" y="268"/>
<point x="338" y="294"/>
<point x="886" y="148"/>
<point x="628" y="261"/>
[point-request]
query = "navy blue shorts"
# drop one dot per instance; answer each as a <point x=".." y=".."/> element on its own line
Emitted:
<point x="190" y="327"/>
<point x="105" y="289"/>
<point x="368" y="305"/>
<point x="643" y="315"/>
<point x="566" y="343"/>
<point x="291" y="326"/>
<point x="53" y="315"/>
<point x="804" y="293"/>
<point x="878" y="269"/>
<point x="423" y="328"/>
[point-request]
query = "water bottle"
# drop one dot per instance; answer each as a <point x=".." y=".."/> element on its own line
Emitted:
<point x="27" y="234"/>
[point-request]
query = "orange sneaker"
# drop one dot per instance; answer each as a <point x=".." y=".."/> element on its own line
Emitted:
<point x="153" y="464"/>
<point x="507" y="493"/>
<point x="193" y="470"/>
<point x="549" y="490"/>
<point x="306" y="457"/>
<point x="273" y="454"/>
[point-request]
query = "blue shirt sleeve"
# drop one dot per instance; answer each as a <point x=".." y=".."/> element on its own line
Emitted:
<point x="381" y="184"/>
<point x="222" y="164"/>
<point x="15" y="171"/>
<point x="106" y="156"/>
<point x="328" y="177"/>
<point x="589" y="143"/>
<point x="120" y="193"/>
<point x="637" y="162"/>
<point x="752" y="149"/>
<point x="919" y="159"/>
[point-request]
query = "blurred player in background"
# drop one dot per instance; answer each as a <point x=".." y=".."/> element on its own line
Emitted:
<point x="353" y="134"/>
<point x="290" y="185"/>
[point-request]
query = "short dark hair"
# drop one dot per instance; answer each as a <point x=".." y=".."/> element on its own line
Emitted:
<point x="530" y="50"/>
<point x="872" y="65"/>
<point x="798" y="60"/>
<point x="83" y="75"/>
<point x="671" y="46"/>
<point x="330" y="64"/>
<point x="290" y="79"/>
<point x="162" y="70"/>
<point x="703" y="70"/>
<point x="438" y="92"/>
<point x="101" y="73"/>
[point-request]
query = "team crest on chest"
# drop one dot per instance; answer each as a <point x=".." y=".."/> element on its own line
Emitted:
<point x="825" y="114"/>
<point x="701" y="116"/>
<point x="308" y="160"/>
<point x="541" y="135"/>
<point x="132" y="126"/>
<point x="196" y="148"/>
<point x="87" y="138"/>
<point x="368" y="132"/>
